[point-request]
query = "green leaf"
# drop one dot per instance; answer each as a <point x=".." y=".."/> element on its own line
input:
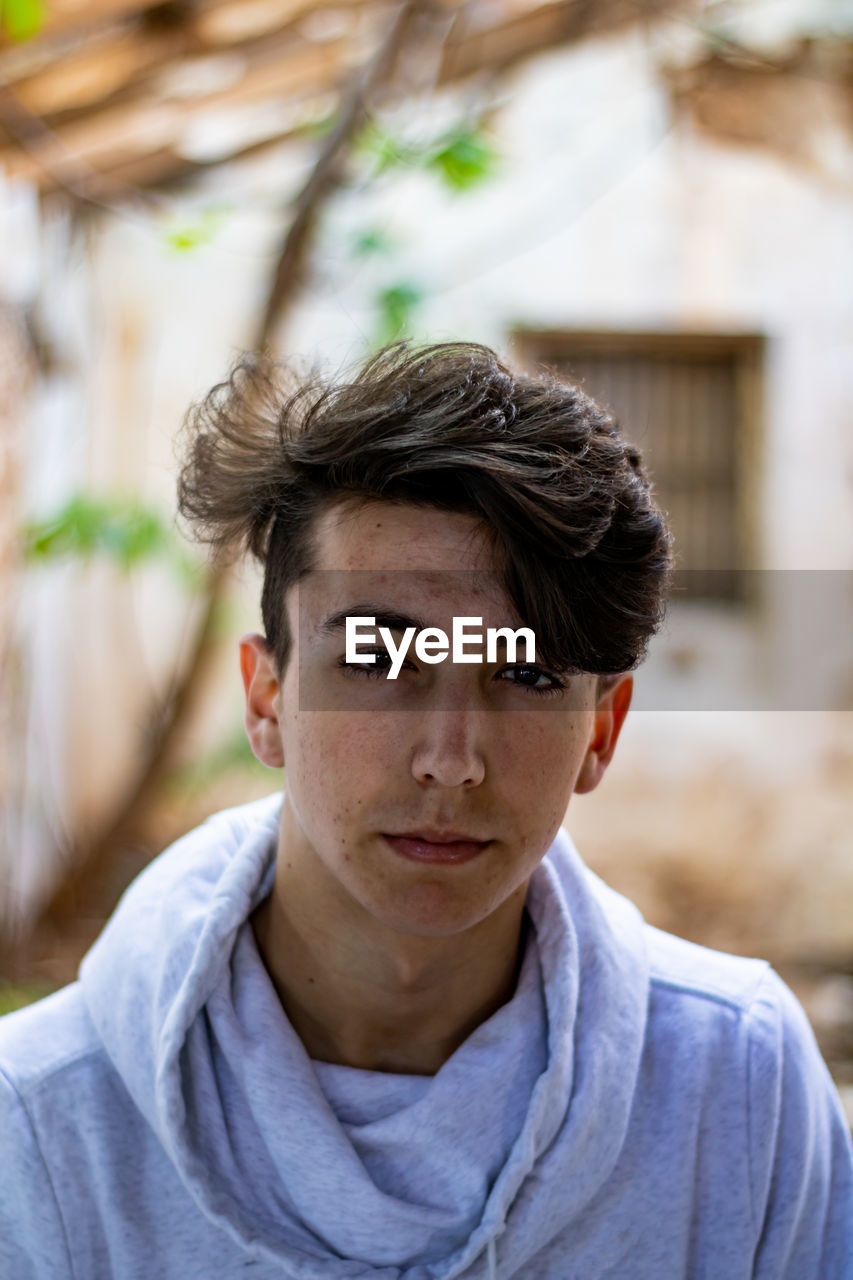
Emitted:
<point x="396" y="305"/>
<point x="124" y="530"/>
<point x="463" y="158"/>
<point x="184" y="237"/>
<point x="372" y="243"/>
<point x="21" y="19"/>
<point x="387" y="151"/>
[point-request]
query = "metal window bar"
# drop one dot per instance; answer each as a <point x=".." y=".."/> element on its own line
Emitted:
<point x="681" y="409"/>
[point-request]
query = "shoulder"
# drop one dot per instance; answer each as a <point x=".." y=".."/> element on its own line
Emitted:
<point x="732" y="1021"/>
<point x="693" y="983"/>
<point x="45" y="1051"/>
<point x="692" y="974"/>
<point x="43" y="1040"/>
<point x="736" y="1002"/>
<point x="728" y="1033"/>
<point x="708" y="1014"/>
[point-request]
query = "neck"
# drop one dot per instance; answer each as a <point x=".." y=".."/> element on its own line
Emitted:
<point x="362" y="995"/>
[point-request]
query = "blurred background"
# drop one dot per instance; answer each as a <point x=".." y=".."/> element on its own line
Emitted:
<point x="652" y="196"/>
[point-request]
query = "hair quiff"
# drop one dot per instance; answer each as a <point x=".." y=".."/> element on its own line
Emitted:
<point x="582" y="549"/>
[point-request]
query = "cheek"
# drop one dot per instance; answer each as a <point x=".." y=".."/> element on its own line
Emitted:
<point x="344" y="781"/>
<point x="548" y="751"/>
<point x="539" y="767"/>
<point x="334" y="759"/>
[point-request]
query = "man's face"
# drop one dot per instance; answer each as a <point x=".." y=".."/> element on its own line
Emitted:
<point x="471" y="749"/>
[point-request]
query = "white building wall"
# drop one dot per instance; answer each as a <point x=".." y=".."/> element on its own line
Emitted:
<point x="612" y="215"/>
<point x="608" y="213"/>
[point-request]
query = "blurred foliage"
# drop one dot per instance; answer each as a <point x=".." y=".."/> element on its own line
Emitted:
<point x="192" y="234"/>
<point x="384" y="150"/>
<point x="372" y="242"/>
<point x="461" y="157"/>
<point x="396" y="305"/>
<point x="21" y="19"/>
<point x="234" y="753"/>
<point x="124" y="529"/>
<point x="16" y="997"/>
<point x="319" y="126"/>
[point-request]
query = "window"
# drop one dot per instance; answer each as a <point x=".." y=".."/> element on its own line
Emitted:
<point x="691" y="404"/>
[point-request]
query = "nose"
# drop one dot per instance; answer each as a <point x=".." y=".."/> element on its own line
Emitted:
<point x="448" y="748"/>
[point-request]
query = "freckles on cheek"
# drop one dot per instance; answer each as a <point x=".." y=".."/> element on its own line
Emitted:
<point x="549" y="748"/>
<point x="542" y="767"/>
<point x="315" y="764"/>
<point x="339" y="764"/>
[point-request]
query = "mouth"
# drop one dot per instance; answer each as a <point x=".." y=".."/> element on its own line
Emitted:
<point x="448" y="847"/>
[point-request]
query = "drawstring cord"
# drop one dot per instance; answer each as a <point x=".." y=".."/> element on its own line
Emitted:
<point x="493" y="1260"/>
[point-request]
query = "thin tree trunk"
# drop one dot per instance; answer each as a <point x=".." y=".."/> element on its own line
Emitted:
<point x="86" y="865"/>
<point x="327" y="173"/>
<point x="17" y="374"/>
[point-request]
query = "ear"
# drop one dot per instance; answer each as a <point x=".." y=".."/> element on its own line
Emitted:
<point x="610" y="712"/>
<point x="260" y="681"/>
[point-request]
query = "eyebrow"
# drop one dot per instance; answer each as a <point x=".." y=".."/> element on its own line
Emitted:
<point x="391" y="619"/>
<point x="384" y="617"/>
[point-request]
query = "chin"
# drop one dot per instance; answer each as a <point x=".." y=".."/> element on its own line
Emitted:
<point x="430" y="911"/>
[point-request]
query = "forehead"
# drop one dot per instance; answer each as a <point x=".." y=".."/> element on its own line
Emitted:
<point x="399" y="553"/>
<point x="391" y="535"/>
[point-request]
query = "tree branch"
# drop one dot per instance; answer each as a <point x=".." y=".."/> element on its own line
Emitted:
<point x="327" y="172"/>
<point x="86" y="866"/>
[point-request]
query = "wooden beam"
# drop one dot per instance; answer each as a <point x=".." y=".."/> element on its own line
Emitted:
<point x="62" y="16"/>
<point x="166" y="167"/>
<point x="126" y="133"/>
<point x="131" y="64"/>
<point x="474" y="49"/>
<point x="204" y="26"/>
<point x="529" y="341"/>
<point x="236" y="22"/>
<point x="148" y="100"/>
<point x="88" y="76"/>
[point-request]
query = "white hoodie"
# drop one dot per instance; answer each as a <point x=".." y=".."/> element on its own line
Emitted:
<point x="642" y="1109"/>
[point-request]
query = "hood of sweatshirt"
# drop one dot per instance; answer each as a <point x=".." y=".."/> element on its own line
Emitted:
<point x="487" y="1160"/>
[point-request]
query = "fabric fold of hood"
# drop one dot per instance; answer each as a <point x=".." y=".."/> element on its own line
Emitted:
<point x="190" y="1020"/>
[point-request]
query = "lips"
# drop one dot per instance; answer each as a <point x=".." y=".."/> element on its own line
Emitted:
<point x="435" y="836"/>
<point x="428" y="845"/>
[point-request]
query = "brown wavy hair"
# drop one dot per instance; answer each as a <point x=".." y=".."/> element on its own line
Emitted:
<point x="583" y="551"/>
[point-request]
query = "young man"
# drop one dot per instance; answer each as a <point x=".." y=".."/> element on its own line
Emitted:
<point x="387" y="1026"/>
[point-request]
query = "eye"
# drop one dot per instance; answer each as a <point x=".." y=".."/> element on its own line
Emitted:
<point x="373" y="670"/>
<point x="531" y="677"/>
